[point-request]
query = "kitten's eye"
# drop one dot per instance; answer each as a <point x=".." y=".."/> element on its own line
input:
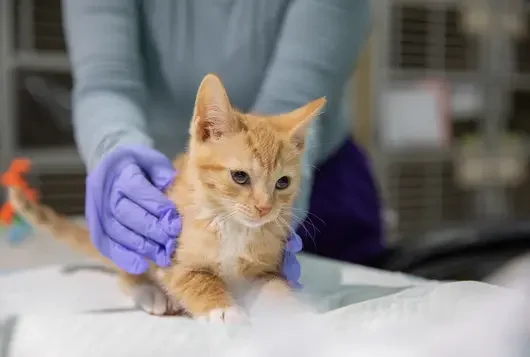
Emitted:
<point x="283" y="182"/>
<point x="240" y="177"/>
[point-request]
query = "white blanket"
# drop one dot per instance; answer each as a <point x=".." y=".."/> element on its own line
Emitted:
<point x="83" y="287"/>
<point x="369" y="313"/>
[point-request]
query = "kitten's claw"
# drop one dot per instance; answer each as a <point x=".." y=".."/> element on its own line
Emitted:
<point x="231" y="315"/>
<point x="152" y="299"/>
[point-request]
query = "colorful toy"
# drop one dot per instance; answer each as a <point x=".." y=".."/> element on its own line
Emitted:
<point x="17" y="228"/>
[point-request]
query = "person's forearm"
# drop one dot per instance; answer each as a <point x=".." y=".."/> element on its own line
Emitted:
<point x="104" y="121"/>
<point x="109" y="93"/>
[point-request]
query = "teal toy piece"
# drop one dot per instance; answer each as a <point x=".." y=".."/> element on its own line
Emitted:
<point x="18" y="231"/>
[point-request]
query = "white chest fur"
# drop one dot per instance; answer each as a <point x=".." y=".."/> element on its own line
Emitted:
<point x="235" y="239"/>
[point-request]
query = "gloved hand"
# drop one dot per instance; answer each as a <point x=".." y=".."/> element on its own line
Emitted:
<point x="291" y="267"/>
<point x="129" y="218"/>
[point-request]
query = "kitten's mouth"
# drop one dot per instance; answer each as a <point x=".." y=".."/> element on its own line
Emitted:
<point x="254" y="223"/>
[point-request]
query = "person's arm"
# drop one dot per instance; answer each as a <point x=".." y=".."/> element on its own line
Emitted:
<point x="314" y="57"/>
<point x="109" y="92"/>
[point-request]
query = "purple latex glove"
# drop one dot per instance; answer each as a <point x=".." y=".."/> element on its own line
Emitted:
<point x="129" y="218"/>
<point x="291" y="266"/>
<point x="131" y="221"/>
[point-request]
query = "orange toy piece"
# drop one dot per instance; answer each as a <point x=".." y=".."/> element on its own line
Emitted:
<point x="13" y="178"/>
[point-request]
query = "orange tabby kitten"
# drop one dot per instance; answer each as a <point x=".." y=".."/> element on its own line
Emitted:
<point x="234" y="191"/>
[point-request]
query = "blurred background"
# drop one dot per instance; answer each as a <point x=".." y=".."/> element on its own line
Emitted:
<point x="441" y="103"/>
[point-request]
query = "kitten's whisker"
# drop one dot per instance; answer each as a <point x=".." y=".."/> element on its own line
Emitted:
<point x="291" y="229"/>
<point x="302" y="212"/>
<point x="226" y="216"/>
<point x="308" y="213"/>
<point x="287" y="224"/>
<point x="314" y="227"/>
<point x="309" y="220"/>
<point x="309" y="234"/>
<point x="281" y="222"/>
<point x="302" y="222"/>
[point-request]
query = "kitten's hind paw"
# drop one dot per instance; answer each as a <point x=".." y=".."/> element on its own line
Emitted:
<point x="230" y="315"/>
<point x="153" y="300"/>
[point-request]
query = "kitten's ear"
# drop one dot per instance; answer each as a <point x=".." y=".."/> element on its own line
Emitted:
<point x="297" y="122"/>
<point x="213" y="116"/>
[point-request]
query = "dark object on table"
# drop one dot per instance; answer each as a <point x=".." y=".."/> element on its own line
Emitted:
<point x="460" y="254"/>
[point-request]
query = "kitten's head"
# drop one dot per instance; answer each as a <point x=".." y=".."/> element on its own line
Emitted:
<point x="248" y="165"/>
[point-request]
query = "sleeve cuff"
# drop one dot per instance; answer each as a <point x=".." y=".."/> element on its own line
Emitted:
<point x="114" y="140"/>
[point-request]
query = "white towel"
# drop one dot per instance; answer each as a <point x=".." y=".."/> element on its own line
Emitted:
<point x="453" y="319"/>
<point x="80" y="311"/>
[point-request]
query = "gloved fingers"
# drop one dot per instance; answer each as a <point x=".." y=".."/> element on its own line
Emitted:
<point x="126" y="259"/>
<point x="162" y="177"/>
<point x="158" y="167"/>
<point x="294" y="243"/>
<point x="136" y="243"/>
<point x="291" y="267"/>
<point x="161" y="230"/>
<point x="136" y="187"/>
<point x="121" y="256"/>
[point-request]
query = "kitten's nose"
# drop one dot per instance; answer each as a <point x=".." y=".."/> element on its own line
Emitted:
<point x="263" y="210"/>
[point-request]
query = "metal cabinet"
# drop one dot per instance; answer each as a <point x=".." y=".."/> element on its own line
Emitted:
<point x="34" y="100"/>
<point x="474" y="44"/>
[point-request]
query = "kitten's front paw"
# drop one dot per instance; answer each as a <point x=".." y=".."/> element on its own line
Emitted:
<point x="230" y="315"/>
<point x="153" y="300"/>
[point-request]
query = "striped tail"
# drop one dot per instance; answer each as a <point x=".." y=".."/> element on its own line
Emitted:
<point x="42" y="217"/>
